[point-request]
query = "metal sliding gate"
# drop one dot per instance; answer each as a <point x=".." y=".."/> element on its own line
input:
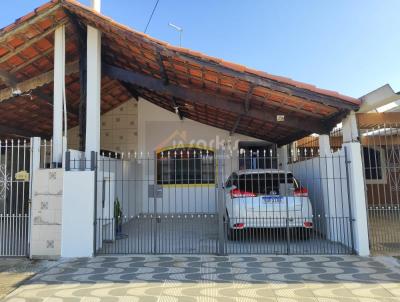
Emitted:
<point x="381" y="157"/>
<point x="15" y="157"/>
<point x="191" y="200"/>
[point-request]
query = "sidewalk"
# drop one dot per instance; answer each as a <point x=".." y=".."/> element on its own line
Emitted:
<point x="14" y="271"/>
<point x="212" y="278"/>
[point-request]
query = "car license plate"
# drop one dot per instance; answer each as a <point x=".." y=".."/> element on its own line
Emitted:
<point x="272" y="199"/>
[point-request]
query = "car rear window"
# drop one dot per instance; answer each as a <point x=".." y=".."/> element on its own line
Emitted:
<point x="264" y="183"/>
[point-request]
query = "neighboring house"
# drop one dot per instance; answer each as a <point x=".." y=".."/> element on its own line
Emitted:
<point x="152" y="133"/>
<point x="378" y="121"/>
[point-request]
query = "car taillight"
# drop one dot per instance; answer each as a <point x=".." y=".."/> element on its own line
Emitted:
<point x="238" y="226"/>
<point x="301" y="192"/>
<point x="236" y="193"/>
<point x="308" y="224"/>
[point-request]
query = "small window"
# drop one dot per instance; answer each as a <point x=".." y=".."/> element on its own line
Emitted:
<point x="186" y="165"/>
<point x="373" y="165"/>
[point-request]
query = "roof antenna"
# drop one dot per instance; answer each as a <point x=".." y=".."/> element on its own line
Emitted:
<point x="180" y="30"/>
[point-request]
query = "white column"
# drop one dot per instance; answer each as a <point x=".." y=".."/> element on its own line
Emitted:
<point x="283" y="157"/>
<point x="357" y="198"/>
<point x="35" y="158"/>
<point x="294" y="151"/>
<point x="58" y="93"/>
<point x="95" y="4"/>
<point x="34" y="167"/>
<point x="328" y="187"/>
<point x="350" y="129"/>
<point x="93" y="90"/>
<point x="324" y="145"/>
<point x="77" y="231"/>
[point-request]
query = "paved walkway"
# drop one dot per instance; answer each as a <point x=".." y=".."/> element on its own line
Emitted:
<point x="211" y="278"/>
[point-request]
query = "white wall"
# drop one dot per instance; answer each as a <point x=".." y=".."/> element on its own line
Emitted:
<point x="78" y="214"/>
<point x="358" y="199"/>
<point x="47" y="199"/>
<point x="119" y="178"/>
<point x="159" y="128"/>
<point x="119" y="129"/>
<point x="145" y="128"/>
<point x="325" y="179"/>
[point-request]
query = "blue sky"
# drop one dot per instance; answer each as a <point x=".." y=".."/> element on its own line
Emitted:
<point x="349" y="46"/>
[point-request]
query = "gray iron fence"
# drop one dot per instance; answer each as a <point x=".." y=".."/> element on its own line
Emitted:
<point x="192" y="200"/>
<point x="381" y="157"/>
<point x="15" y="168"/>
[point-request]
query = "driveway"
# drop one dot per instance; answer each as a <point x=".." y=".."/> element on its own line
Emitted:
<point x="200" y="236"/>
<point x="212" y="278"/>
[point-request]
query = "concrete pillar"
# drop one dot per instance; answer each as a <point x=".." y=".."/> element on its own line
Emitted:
<point x="58" y="94"/>
<point x="357" y="198"/>
<point x="47" y="200"/>
<point x="350" y="129"/>
<point x="35" y="158"/>
<point x="82" y="222"/>
<point x="283" y="157"/>
<point x="293" y="151"/>
<point x="93" y="91"/>
<point x="324" y="145"/>
<point x="34" y="167"/>
<point x="96" y="5"/>
<point x="326" y="166"/>
<point x="77" y="231"/>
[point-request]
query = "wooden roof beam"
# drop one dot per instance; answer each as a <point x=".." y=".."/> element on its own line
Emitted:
<point x="5" y="36"/>
<point x="49" y="100"/>
<point x="8" y="78"/>
<point x="37" y="81"/>
<point x="298" y="135"/>
<point x="132" y="91"/>
<point x="162" y="68"/>
<point x="246" y="109"/>
<point x="166" y="82"/>
<point x="32" y="60"/>
<point x="209" y="99"/>
<point x="32" y="41"/>
<point x="4" y="129"/>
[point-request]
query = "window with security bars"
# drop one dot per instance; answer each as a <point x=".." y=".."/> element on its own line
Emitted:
<point x="185" y="166"/>
<point x="257" y="155"/>
<point x="373" y="164"/>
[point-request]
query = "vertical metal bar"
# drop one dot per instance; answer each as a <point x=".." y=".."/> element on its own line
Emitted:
<point x="221" y="205"/>
<point x="95" y="200"/>
<point x="92" y="160"/>
<point x="391" y="170"/>
<point x="68" y="160"/>
<point x="347" y="162"/>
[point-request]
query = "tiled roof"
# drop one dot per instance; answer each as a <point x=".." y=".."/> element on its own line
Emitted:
<point x="133" y="51"/>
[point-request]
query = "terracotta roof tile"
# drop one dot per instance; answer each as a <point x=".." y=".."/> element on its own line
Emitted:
<point x="138" y="52"/>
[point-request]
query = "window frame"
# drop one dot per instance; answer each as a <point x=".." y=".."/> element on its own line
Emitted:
<point x="185" y="184"/>
<point x="382" y="156"/>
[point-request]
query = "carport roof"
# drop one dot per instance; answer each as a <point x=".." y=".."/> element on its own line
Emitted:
<point x="203" y="88"/>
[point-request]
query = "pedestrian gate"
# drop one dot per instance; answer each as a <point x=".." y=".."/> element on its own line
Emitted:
<point x="15" y="166"/>
<point x="381" y="157"/>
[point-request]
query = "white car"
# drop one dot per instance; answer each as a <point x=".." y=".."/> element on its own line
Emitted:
<point x="266" y="198"/>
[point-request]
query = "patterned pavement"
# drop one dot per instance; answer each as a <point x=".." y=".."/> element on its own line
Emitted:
<point x="212" y="278"/>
